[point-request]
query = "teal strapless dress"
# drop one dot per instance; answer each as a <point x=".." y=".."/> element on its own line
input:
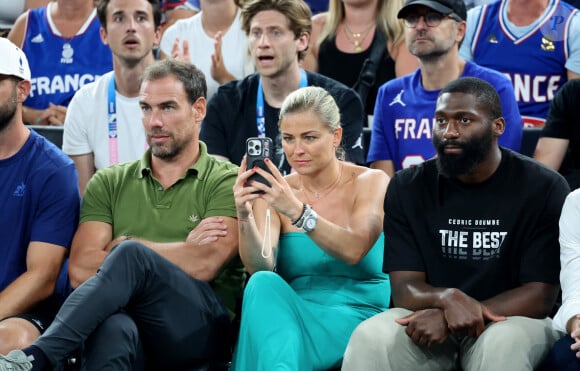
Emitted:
<point x="300" y="318"/>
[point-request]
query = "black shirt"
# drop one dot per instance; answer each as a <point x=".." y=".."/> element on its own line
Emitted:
<point x="483" y="239"/>
<point x="231" y="119"/>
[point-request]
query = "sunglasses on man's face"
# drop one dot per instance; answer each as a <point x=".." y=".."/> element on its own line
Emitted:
<point x="432" y="19"/>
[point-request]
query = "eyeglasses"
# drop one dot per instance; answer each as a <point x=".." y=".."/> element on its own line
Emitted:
<point x="432" y="19"/>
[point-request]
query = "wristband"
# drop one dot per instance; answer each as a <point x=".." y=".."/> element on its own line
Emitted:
<point x="298" y="221"/>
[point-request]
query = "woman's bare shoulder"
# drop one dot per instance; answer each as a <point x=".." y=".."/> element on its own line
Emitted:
<point x="366" y="174"/>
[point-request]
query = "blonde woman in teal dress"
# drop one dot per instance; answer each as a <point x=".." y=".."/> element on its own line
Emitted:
<point x="312" y="243"/>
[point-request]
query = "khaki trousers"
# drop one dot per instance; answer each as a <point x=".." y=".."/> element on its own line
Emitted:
<point x="379" y="343"/>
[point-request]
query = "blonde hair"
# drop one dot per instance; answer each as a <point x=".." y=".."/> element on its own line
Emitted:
<point x="386" y="19"/>
<point x="316" y="100"/>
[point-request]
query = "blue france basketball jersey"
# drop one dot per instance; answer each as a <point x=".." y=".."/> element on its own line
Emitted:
<point x="534" y="62"/>
<point x="60" y="66"/>
<point x="405" y="114"/>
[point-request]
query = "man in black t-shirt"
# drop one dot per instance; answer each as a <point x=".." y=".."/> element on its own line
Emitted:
<point x="559" y="144"/>
<point x="278" y="33"/>
<point x="471" y="248"/>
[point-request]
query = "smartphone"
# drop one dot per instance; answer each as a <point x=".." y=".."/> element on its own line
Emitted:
<point x="257" y="150"/>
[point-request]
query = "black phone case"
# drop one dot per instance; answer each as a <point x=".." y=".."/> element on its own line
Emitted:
<point x="257" y="150"/>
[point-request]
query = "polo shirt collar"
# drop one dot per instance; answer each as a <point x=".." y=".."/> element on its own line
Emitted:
<point x="200" y="168"/>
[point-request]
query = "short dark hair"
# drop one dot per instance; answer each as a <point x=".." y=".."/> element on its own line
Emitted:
<point x="104" y="4"/>
<point x="297" y="12"/>
<point x="192" y="78"/>
<point x="485" y="94"/>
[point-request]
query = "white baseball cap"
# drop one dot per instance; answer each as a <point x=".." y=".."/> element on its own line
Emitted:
<point x="13" y="62"/>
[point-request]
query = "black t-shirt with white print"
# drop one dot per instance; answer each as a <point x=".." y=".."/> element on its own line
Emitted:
<point x="483" y="239"/>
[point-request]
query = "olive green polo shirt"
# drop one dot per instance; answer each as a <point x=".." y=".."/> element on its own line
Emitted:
<point x="128" y="197"/>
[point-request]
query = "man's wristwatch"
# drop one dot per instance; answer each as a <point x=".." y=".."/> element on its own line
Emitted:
<point x="308" y="220"/>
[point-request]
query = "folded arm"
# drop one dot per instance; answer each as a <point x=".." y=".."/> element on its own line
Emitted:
<point x="464" y="315"/>
<point x="531" y="299"/>
<point x="207" y="248"/>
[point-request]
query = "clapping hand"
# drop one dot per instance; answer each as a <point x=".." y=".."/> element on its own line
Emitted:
<point x="178" y="53"/>
<point x="54" y="115"/>
<point x="218" y="68"/>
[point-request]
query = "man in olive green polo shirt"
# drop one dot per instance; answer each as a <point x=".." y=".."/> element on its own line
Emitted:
<point x="159" y="297"/>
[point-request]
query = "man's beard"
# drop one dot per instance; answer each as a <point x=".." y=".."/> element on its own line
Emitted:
<point x="440" y="49"/>
<point x="168" y="151"/>
<point x="473" y="152"/>
<point x="7" y="111"/>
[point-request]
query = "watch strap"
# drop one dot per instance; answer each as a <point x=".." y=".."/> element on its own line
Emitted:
<point x="300" y="219"/>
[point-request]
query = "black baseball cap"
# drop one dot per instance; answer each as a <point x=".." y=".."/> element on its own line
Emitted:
<point x="442" y="6"/>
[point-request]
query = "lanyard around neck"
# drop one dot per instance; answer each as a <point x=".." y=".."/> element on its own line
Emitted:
<point x="112" y="119"/>
<point x="260" y="118"/>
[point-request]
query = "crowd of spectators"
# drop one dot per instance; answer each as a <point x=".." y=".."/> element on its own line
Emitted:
<point x="435" y="246"/>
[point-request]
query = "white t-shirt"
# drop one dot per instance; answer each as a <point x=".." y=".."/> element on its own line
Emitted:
<point x="86" y="126"/>
<point x="569" y="253"/>
<point x="234" y="48"/>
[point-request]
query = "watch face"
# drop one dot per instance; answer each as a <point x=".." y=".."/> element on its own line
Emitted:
<point x="310" y="223"/>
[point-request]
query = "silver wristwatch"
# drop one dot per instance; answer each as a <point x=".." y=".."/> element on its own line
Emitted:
<point x="308" y="220"/>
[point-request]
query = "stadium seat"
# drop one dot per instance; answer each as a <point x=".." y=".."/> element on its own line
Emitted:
<point x="529" y="140"/>
<point x="52" y="133"/>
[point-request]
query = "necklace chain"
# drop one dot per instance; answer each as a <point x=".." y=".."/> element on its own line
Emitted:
<point x="320" y="195"/>
<point x="357" y="38"/>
